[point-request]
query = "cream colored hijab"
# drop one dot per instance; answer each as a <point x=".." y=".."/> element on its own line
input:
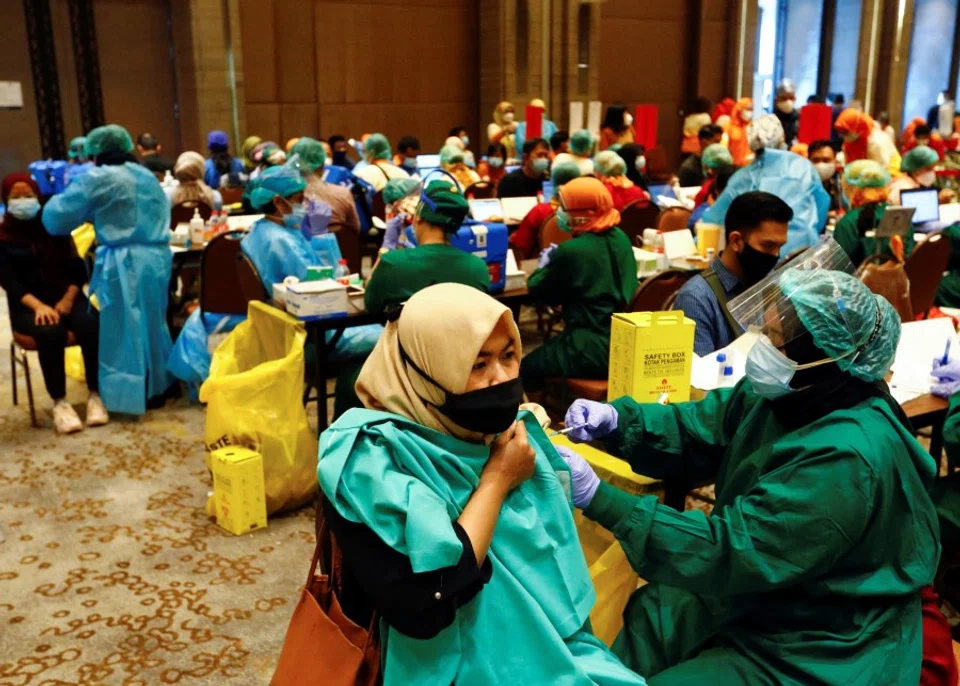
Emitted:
<point x="442" y="329"/>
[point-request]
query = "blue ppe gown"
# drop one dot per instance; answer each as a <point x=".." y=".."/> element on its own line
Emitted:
<point x="791" y="178"/>
<point x="131" y="276"/>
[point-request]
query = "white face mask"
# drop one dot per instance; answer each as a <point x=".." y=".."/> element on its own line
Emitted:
<point x="826" y="170"/>
<point x="787" y="106"/>
<point x="746" y="115"/>
<point x="640" y="163"/>
<point x="927" y="178"/>
<point x="508" y="117"/>
<point x="627" y="119"/>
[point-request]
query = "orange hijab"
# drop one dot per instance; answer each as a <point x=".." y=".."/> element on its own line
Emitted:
<point x="589" y="205"/>
<point x="737" y="132"/>
<point x="859" y="123"/>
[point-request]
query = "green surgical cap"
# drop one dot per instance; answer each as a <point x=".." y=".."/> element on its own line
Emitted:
<point x="397" y="189"/>
<point x="77" y="148"/>
<point x="310" y="153"/>
<point x="377" y="147"/>
<point x="450" y="207"/>
<point x="109" y="138"/>
<point x="918" y="158"/>
<point x="581" y="142"/>
<point x="716" y="156"/>
<point x="450" y="154"/>
<point x="609" y="163"/>
<point x="563" y="173"/>
<point x="858" y="329"/>
<point x="866" y="174"/>
<point x="282" y="180"/>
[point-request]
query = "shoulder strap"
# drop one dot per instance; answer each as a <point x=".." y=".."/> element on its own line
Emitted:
<point x="713" y="281"/>
<point x="384" y="172"/>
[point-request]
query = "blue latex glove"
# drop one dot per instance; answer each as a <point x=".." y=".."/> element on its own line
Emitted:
<point x="545" y="255"/>
<point x="585" y="480"/>
<point x="317" y="221"/>
<point x="391" y="238"/>
<point x="948" y="375"/>
<point x="593" y="420"/>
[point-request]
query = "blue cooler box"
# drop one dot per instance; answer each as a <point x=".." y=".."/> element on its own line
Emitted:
<point x="489" y="243"/>
<point x="50" y="176"/>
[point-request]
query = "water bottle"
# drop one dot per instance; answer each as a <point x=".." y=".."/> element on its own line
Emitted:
<point x="342" y="273"/>
<point x="662" y="261"/>
<point x="196" y="230"/>
<point x="210" y="229"/>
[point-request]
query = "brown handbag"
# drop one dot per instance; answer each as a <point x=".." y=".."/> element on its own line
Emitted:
<point x="888" y="278"/>
<point x="323" y="646"/>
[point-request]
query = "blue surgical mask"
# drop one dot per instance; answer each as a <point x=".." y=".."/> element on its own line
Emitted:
<point x="495" y="162"/>
<point x="410" y="162"/>
<point x="295" y="219"/>
<point x="23" y="209"/>
<point x="466" y="141"/>
<point x="469" y="160"/>
<point x="541" y="165"/>
<point x="770" y="371"/>
<point x="563" y="221"/>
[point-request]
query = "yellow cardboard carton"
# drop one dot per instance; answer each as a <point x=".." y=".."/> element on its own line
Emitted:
<point x="238" y="489"/>
<point x="651" y="353"/>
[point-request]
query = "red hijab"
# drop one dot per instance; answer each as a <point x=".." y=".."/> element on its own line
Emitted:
<point x="11" y="228"/>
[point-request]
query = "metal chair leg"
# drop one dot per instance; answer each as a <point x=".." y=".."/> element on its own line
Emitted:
<point x="26" y="373"/>
<point x="13" y="369"/>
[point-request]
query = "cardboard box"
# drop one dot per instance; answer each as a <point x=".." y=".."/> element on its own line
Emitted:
<point x="317" y="299"/>
<point x="651" y="353"/>
<point x="238" y="489"/>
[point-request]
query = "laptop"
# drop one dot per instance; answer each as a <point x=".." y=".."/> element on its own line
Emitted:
<point x="427" y="163"/>
<point x="925" y="200"/>
<point x="486" y="209"/>
<point x="515" y="209"/>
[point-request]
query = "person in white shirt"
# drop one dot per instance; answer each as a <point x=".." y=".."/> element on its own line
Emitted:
<point x="380" y="170"/>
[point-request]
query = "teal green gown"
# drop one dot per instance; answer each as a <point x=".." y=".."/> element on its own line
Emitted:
<point x="529" y="625"/>
<point x="808" y="571"/>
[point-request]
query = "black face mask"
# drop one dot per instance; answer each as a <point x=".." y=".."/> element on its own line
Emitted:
<point x="755" y="264"/>
<point x="339" y="157"/>
<point x="489" y="410"/>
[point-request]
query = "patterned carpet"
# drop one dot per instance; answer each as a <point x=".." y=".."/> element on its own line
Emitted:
<point x="111" y="573"/>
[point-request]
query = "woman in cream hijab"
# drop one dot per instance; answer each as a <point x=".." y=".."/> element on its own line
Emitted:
<point x="189" y="172"/>
<point x="461" y="540"/>
<point x="503" y="126"/>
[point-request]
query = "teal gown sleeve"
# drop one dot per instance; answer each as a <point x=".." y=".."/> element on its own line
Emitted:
<point x="68" y="210"/>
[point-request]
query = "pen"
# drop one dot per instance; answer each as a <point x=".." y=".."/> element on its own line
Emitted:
<point x="564" y="432"/>
<point x="946" y="351"/>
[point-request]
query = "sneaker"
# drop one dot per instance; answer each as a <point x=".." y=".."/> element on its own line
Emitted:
<point x="96" y="413"/>
<point x="65" y="418"/>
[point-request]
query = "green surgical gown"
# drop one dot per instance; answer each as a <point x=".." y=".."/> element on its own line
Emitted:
<point x="810" y="567"/>
<point x="591" y="277"/>
<point x="859" y="248"/>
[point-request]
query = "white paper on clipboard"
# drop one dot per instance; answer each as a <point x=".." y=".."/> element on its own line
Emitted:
<point x="576" y="116"/>
<point x="11" y="95"/>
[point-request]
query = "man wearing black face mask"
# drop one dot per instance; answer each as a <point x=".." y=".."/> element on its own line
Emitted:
<point x="756" y="229"/>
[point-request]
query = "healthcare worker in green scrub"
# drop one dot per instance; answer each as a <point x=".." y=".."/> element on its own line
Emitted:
<point x="865" y="185"/>
<point x="464" y="545"/>
<point x="399" y="273"/>
<point x="810" y="568"/>
<point x="591" y="277"/>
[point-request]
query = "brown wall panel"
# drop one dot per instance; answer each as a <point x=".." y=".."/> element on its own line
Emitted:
<point x="296" y="76"/>
<point x="138" y="90"/>
<point x="259" y="50"/>
<point x="19" y="133"/>
<point x="264" y="121"/>
<point x="296" y="121"/>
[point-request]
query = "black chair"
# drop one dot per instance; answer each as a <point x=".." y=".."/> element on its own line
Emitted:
<point x="183" y="213"/>
<point x="228" y="279"/>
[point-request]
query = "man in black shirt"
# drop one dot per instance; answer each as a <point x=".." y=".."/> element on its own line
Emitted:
<point x="691" y="171"/>
<point x="148" y="148"/>
<point x="528" y="180"/>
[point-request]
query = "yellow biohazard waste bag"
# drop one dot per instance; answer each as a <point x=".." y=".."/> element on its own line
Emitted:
<point x="83" y="237"/>
<point x="73" y="362"/>
<point x="254" y="399"/>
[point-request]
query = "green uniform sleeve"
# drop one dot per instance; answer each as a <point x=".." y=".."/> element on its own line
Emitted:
<point x="951" y="430"/>
<point x="846" y="235"/>
<point x="381" y="286"/>
<point x="683" y="442"/>
<point x="549" y="285"/>
<point x="778" y="534"/>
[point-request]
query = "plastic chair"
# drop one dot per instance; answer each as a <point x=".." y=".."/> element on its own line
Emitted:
<point x="183" y="213"/>
<point x="228" y="279"/>
<point x="673" y="219"/>
<point x="634" y="218"/>
<point x="925" y="268"/>
<point x="659" y="290"/>
<point x="350" y="248"/>
<point x="658" y="167"/>
<point x="19" y="347"/>
<point x="231" y="195"/>
<point x="481" y="190"/>
<point x="378" y="208"/>
<point x="550" y="232"/>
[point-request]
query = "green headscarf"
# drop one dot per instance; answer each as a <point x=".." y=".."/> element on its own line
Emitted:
<point x="449" y="207"/>
<point x="280" y="180"/>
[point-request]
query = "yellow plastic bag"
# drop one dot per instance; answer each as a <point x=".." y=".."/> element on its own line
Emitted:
<point x="73" y="361"/>
<point x="83" y="237"/>
<point x="254" y="399"/>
